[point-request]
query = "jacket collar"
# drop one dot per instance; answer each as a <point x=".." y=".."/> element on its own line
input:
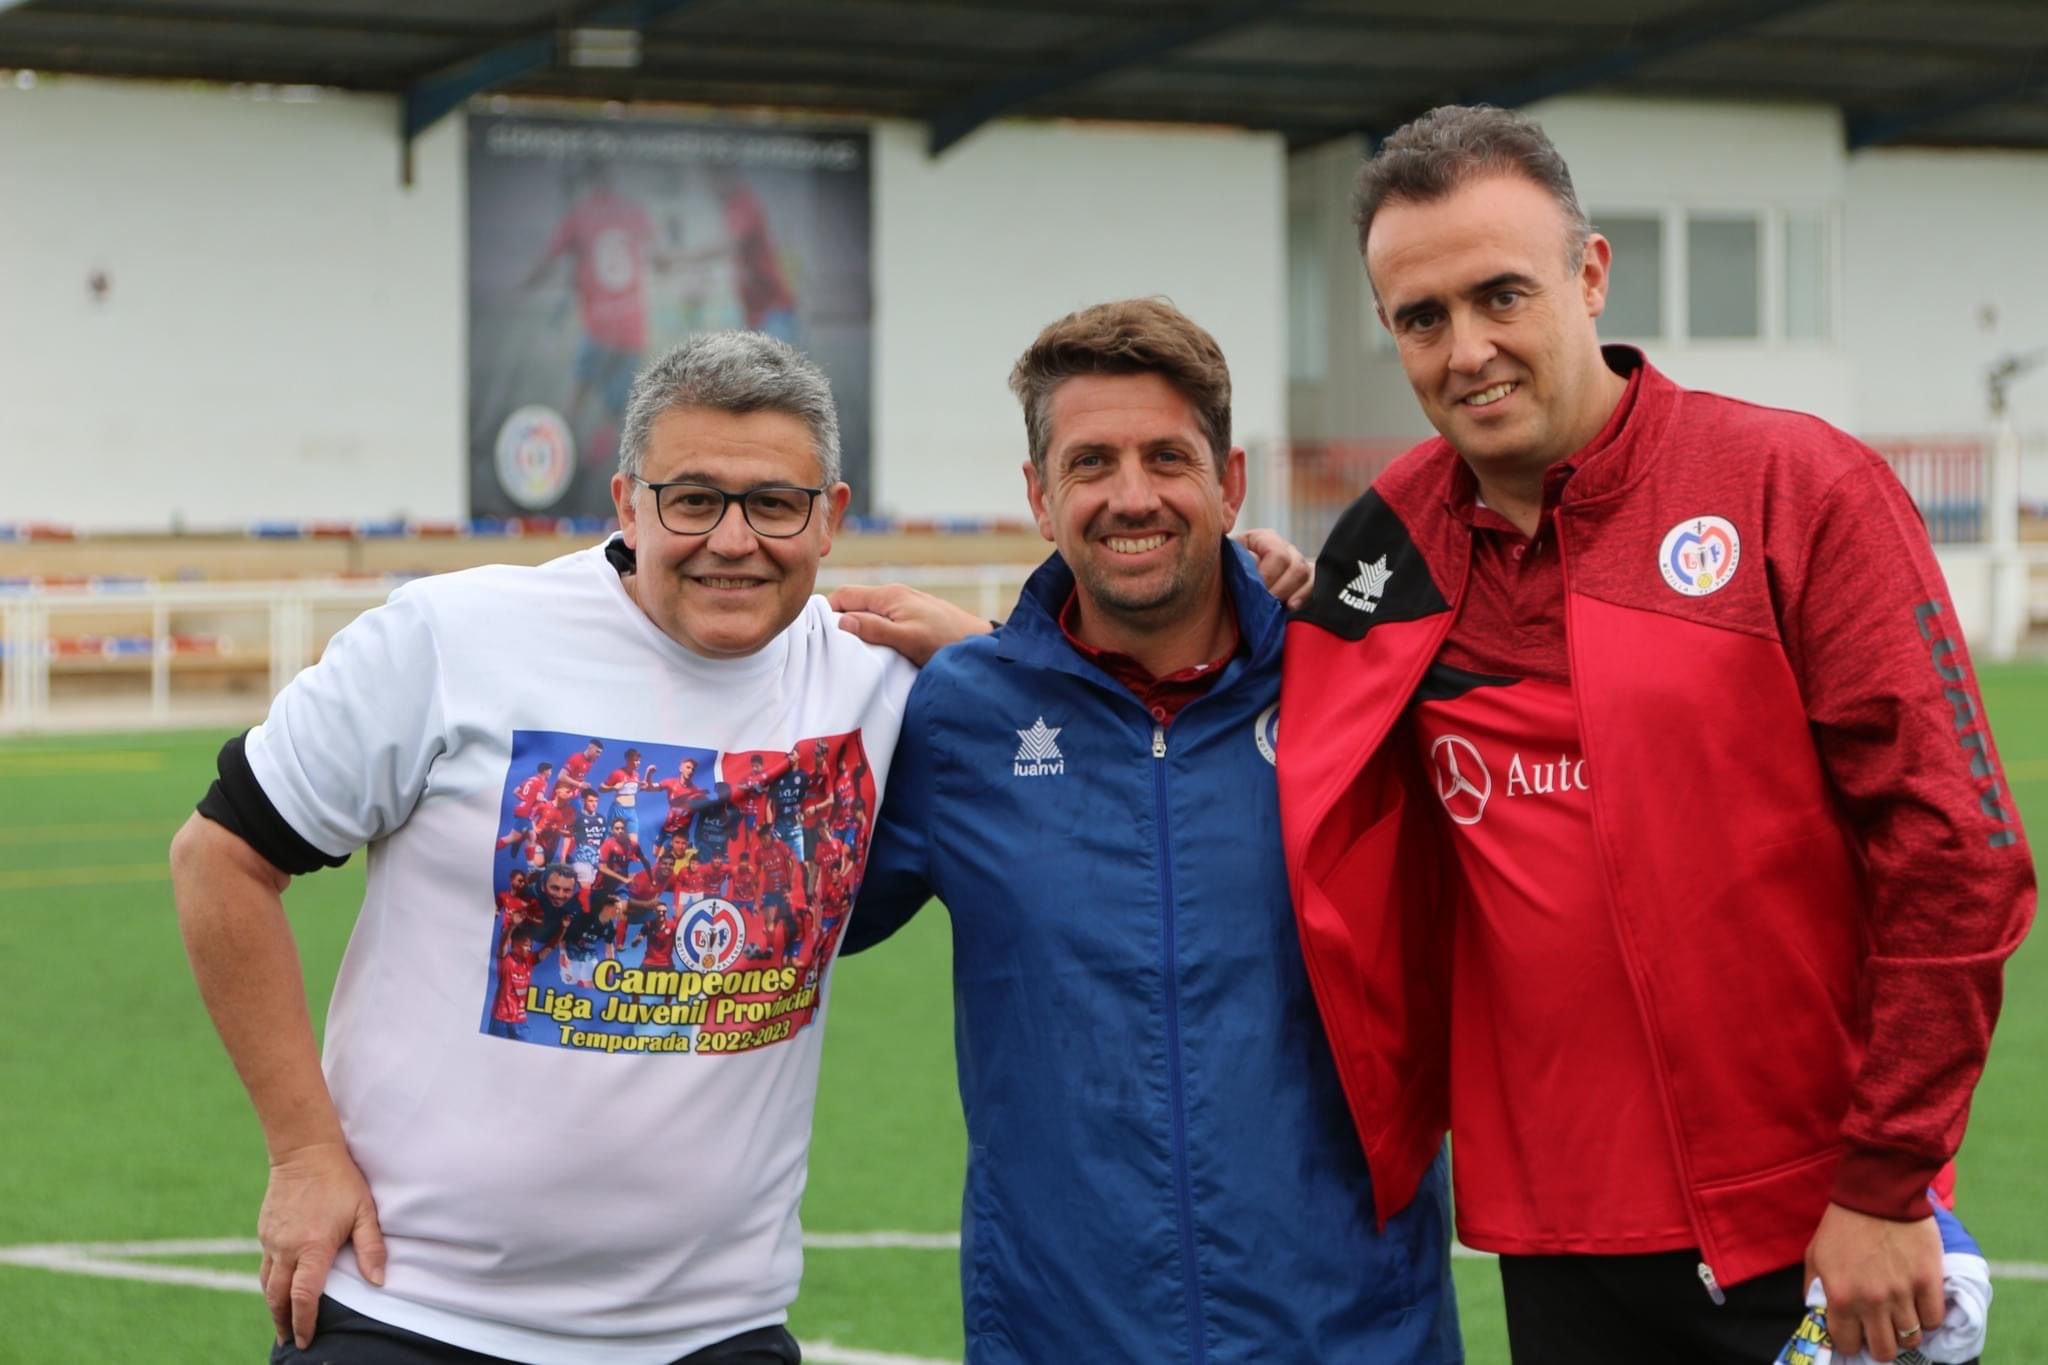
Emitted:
<point x="1032" y="634"/>
<point x="1618" y="464"/>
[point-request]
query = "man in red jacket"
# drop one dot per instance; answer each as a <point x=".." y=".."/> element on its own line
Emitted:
<point x="1650" y="835"/>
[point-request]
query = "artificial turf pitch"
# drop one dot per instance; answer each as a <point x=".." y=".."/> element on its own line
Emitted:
<point x="121" y="1121"/>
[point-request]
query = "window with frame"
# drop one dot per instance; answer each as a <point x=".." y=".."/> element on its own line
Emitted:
<point x="1724" y="277"/>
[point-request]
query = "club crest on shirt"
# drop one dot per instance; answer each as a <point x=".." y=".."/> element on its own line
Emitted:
<point x="1266" y="731"/>
<point x="1699" y="555"/>
<point x="715" y="935"/>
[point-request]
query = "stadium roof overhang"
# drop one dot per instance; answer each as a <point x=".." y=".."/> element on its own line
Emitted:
<point x="1927" y="72"/>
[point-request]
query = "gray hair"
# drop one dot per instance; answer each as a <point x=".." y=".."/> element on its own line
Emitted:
<point x="1452" y="144"/>
<point x="732" y="372"/>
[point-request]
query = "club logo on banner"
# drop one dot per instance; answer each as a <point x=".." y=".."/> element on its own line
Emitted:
<point x="1699" y="555"/>
<point x="536" y="456"/>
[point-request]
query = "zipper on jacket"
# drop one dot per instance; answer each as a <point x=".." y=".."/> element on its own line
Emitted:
<point x="1176" y="1096"/>
<point x="1626" y="945"/>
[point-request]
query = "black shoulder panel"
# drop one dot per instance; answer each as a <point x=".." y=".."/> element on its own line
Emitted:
<point x="1445" y="682"/>
<point x="1369" y="573"/>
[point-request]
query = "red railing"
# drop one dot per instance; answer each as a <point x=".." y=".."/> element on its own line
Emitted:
<point x="1944" y="474"/>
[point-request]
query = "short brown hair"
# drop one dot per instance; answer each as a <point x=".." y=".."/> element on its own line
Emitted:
<point x="1130" y="336"/>
<point x="1454" y="143"/>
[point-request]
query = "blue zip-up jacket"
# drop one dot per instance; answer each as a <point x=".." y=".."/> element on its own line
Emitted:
<point x="1161" y="1166"/>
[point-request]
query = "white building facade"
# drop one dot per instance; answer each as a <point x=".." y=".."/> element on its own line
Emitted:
<point x="227" y="308"/>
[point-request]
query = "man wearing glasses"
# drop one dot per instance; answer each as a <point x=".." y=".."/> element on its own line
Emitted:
<point x="419" y="1206"/>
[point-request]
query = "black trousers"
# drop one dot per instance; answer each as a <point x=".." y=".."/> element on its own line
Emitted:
<point x="1623" y="1310"/>
<point x="343" y="1336"/>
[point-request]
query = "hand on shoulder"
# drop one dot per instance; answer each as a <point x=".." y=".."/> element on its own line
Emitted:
<point x="915" y="624"/>
<point x="1287" y="573"/>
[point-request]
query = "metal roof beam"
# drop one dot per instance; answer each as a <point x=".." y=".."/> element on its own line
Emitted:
<point x="289" y="22"/>
<point x="1872" y="130"/>
<point x="952" y="122"/>
<point x="429" y="100"/>
<point x="1712" y="22"/>
<point x="1708" y="23"/>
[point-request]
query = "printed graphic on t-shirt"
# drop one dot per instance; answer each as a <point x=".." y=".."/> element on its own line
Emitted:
<point x="662" y="898"/>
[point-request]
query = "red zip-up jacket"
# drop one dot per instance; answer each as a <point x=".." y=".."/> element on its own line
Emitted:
<point x="1814" y="866"/>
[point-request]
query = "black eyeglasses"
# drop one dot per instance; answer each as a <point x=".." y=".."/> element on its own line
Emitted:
<point x="687" y="508"/>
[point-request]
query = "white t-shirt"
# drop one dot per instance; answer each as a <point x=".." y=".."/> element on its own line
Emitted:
<point x="585" y="1127"/>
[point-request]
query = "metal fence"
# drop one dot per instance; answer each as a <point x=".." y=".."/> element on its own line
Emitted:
<point x="134" y="652"/>
<point x="1946" y="476"/>
<point x="1314" y="481"/>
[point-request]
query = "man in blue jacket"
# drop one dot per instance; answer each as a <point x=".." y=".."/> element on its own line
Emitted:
<point x="1162" y="1166"/>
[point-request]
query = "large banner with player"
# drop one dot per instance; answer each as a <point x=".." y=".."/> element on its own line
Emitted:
<point x="595" y="244"/>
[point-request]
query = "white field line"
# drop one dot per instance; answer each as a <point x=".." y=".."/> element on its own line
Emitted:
<point x="129" y="1261"/>
<point x="829" y="1353"/>
<point x="109" y="1260"/>
<point x="187" y="1246"/>
<point x="66" y="1261"/>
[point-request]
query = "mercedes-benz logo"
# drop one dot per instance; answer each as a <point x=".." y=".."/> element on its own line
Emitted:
<point x="1462" y="780"/>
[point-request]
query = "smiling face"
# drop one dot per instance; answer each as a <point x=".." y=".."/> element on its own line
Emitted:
<point x="726" y="593"/>
<point x="1494" y="323"/>
<point x="1132" y="496"/>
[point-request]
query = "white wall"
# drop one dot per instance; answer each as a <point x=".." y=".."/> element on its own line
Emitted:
<point x="285" y="329"/>
<point x="978" y="250"/>
<point x="1943" y="260"/>
<point x="283" y="336"/>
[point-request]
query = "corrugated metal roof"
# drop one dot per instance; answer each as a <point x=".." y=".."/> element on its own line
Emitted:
<point x="1929" y="72"/>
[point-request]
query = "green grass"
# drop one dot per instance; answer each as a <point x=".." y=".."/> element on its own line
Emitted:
<point x="122" y="1120"/>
